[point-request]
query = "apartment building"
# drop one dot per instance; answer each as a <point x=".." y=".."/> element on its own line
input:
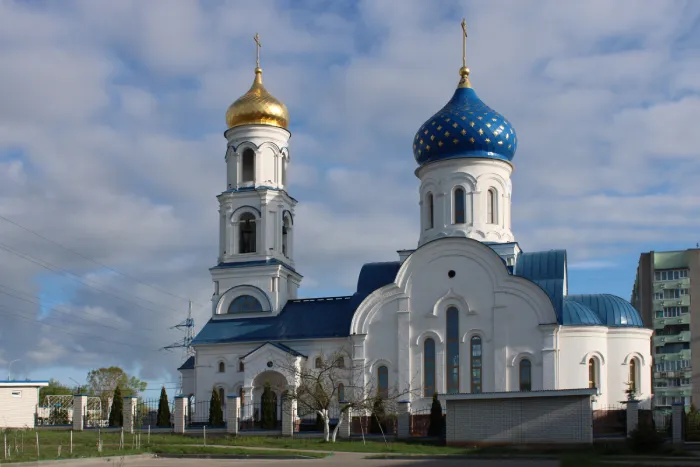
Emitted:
<point x="662" y="293"/>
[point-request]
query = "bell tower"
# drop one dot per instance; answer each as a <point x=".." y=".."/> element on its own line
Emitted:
<point x="255" y="271"/>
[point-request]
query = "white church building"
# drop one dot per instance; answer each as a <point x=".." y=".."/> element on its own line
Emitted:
<point x="465" y="311"/>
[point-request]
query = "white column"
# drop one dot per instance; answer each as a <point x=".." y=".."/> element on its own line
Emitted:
<point x="179" y="416"/>
<point x="677" y="418"/>
<point x="345" y="421"/>
<point x="129" y="413"/>
<point x="233" y="407"/>
<point x="632" y="416"/>
<point x="289" y="416"/>
<point x="404" y="420"/>
<point x="499" y="353"/>
<point x="549" y="357"/>
<point x="247" y="403"/>
<point x="79" y="411"/>
<point x="403" y="340"/>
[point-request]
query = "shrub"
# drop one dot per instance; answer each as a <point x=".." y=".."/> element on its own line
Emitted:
<point x="116" y="415"/>
<point x="645" y="438"/>
<point x="377" y="423"/>
<point x="163" y="416"/>
<point x="436" y="420"/>
<point x="216" y="414"/>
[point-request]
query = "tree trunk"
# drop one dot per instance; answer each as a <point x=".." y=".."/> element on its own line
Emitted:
<point x="326" y="424"/>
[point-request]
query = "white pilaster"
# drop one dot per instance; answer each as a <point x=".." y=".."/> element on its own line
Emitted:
<point x="404" y="352"/>
<point x="79" y="411"/>
<point x="179" y="415"/>
<point x="404" y="420"/>
<point x="233" y="409"/>
<point x="129" y="413"/>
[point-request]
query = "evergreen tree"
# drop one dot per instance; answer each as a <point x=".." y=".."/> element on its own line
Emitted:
<point x="163" y="417"/>
<point x="436" y="419"/>
<point x="216" y="414"/>
<point x="377" y="422"/>
<point x="269" y="409"/>
<point x="116" y="415"/>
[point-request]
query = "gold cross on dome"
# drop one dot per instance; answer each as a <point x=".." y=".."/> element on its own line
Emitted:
<point x="464" y="42"/>
<point x="257" y="49"/>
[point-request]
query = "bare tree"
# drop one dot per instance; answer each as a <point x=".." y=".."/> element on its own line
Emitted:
<point x="318" y="384"/>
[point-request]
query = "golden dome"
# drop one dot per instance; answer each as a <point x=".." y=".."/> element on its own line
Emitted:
<point x="257" y="106"/>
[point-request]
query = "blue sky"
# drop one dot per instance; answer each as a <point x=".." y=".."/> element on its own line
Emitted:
<point x="111" y="122"/>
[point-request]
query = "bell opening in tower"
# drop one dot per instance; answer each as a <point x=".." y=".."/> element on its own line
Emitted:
<point x="247" y="230"/>
<point x="248" y="166"/>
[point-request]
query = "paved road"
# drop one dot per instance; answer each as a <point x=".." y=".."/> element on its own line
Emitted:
<point x="337" y="460"/>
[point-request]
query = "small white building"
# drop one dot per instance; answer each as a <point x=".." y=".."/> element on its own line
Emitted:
<point x="18" y="403"/>
<point x="465" y="311"/>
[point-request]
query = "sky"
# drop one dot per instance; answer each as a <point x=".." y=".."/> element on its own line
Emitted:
<point x="112" y="149"/>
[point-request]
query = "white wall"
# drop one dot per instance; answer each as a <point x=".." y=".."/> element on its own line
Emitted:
<point x="18" y="406"/>
<point x="475" y="176"/>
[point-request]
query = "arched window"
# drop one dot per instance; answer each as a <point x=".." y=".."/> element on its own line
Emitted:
<point x="475" y="364"/>
<point x="245" y="304"/>
<point x="525" y="375"/>
<point x="241" y="395"/>
<point x="247" y="233"/>
<point x="592" y="374"/>
<point x="248" y="166"/>
<point x="222" y="395"/>
<point x="430" y="211"/>
<point x="383" y="380"/>
<point x="222" y="367"/>
<point x="428" y="368"/>
<point x="318" y="363"/>
<point x="460" y="202"/>
<point x="633" y="383"/>
<point x="340" y="362"/>
<point x="285" y="235"/>
<point x="341" y="392"/>
<point x="492" y="206"/>
<point x="241" y="366"/>
<point x="452" y="355"/>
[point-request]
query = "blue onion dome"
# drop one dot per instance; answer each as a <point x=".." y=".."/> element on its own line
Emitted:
<point x="465" y="127"/>
<point x="612" y="310"/>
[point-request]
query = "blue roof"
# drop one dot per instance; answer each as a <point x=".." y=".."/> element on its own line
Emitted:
<point x="280" y="346"/>
<point x="612" y="310"/>
<point x="313" y="318"/>
<point x="188" y="365"/>
<point x="577" y="314"/>
<point x="465" y="127"/>
<point x="548" y="270"/>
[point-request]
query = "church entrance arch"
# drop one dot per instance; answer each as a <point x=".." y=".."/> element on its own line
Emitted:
<point x="278" y="385"/>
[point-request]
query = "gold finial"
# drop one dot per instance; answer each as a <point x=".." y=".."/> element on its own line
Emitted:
<point x="464" y="71"/>
<point x="257" y="49"/>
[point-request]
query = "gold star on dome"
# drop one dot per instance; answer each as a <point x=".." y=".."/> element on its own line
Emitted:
<point x="447" y="133"/>
<point x="500" y="142"/>
<point x="487" y="140"/>
<point x="455" y="141"/>
<point x="507" y="135"/>
<point x="447" y="119"/>
<point x="479" y="117"/>
<point x="420" y="142"/>
<point x="471" y="140"/>
<point x="488" y="125"/>
<point x="439" y="127"/>
<point x="463" y="117"/>
<point x="454" y="125"/>
<point x="433" y="123"/>
<point x="481" y="132"/>
<point x="463" y="132"/>
<point x="427" y="148"/>
<point x="440" y="143"/>
<point x="425" y="132"/>
<point x="432" y="137"/>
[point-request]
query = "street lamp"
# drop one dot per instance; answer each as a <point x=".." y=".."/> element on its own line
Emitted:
<point x="9" y="369"/>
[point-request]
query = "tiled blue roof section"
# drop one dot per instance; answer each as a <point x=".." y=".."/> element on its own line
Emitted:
<point x="188" y="365"/>
<point x="612" y="310"/>
<point x="280" y="346"/>
<point x="577" y="314"/>
<point x="546" y="269"/>
<point x="314" y="318"/>
<point x="245" y="264"/>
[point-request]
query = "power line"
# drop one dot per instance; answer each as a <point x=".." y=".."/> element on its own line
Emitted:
<point x="91" y="259"/>
<point x="74" y="277"/>
<point x="68" y="331"/>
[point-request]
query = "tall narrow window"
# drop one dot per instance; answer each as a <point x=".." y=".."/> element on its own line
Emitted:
<point x="318" y="363"/>
<point x="452" y="355"/>
<point x="460" y="203"/>
<point x="222" y="396"/>
<point x="341" y="392"/>
<point x="430" y="212"/>
<point x="383" y="380"/>
<point x="525" y="375"/>
<point x="222" y="367"/>
<point x="475" y="364"/>
<point x="284" y="173"/>
<point x="492" y="207"/>
<point x="428" y="368"/>
<point x="633" y="376"/>
<point x="248" y="166"/>
<point x="247" y="233"/>
<point x="285" y="235"/>
<point x="592" y="374"/>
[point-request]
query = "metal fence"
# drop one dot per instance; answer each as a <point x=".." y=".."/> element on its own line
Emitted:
<point x="147" y="414"/>
<point x="610" y="421"/>
<point x="54" y="415"/>
<point x="420" y="422"/>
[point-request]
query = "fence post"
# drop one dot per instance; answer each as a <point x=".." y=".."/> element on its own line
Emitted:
<point x="129" y="413"/>
<point x="233" y="407"/>
<point x="677" y="412"/>
<point x="345" y="422"/>
<point x="289" y="410"/>
<point x="403" y="430"/>
<point x="632" y="416"/>
<point x="79" y="409"/>
<point x="179" y="416"/>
